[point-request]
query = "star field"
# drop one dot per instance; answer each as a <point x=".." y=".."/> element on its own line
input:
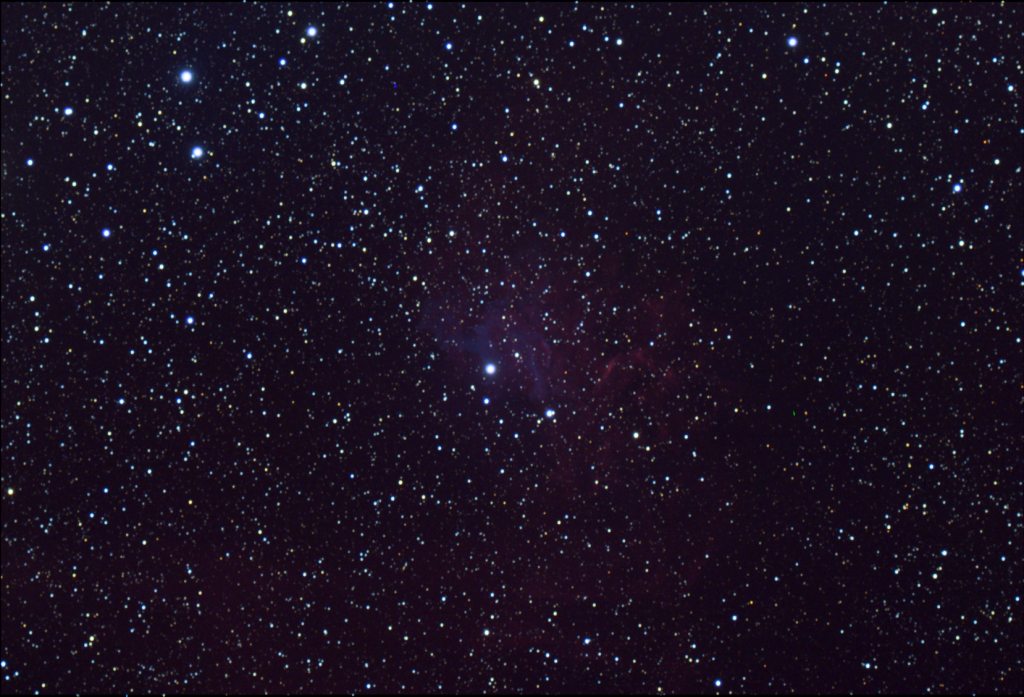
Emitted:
<point x="512" y="348"/>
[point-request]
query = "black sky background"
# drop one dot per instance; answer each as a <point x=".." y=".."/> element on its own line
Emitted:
<point x="753" y="306"/>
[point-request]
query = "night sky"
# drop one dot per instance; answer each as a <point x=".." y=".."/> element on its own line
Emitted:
<point x="512" y="348"/>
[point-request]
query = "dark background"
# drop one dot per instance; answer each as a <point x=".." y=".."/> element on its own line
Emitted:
<point x="771" y="295"/>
